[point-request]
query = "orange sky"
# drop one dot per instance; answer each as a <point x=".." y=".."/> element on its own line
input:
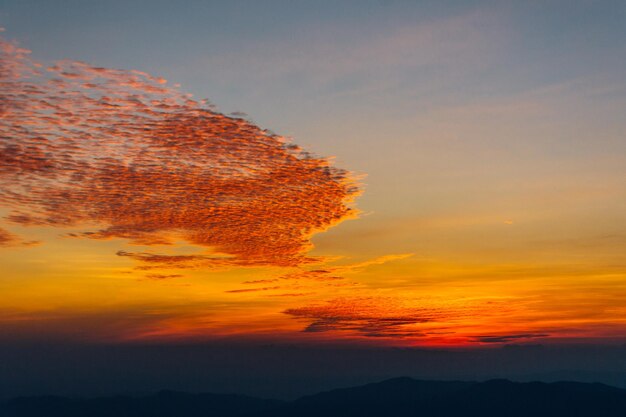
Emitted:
<point x="132" y="211"/>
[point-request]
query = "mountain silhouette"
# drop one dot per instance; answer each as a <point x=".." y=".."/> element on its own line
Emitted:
<point x="394" y="397"/>
<point x="162" y="404"/>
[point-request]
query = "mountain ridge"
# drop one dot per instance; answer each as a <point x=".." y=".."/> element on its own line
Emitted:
<point x="402" y="396"/>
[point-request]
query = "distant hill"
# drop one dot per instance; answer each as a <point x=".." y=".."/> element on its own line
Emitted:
<point x="497" y="398"/>
<point x="394" y="397"/>
<point x="162" y="404"/>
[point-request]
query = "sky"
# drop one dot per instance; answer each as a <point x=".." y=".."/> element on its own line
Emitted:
<point x="371" y="174"/>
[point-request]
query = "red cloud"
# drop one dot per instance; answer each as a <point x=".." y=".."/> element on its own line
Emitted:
<point x="389" y="317"/>
<point x="367" y="316"/>
<point x="7" y="238"/>
<point x="121" y="151"/>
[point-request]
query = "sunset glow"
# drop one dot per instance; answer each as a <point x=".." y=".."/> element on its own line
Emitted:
<point x="132" y="211"/>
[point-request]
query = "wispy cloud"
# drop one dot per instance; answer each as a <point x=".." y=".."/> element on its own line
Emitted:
<point x="430" y="320"/>
<point x="163" y="276"/>
<point x="332" y="273"/>
<point x="121" y="152"/>
<point x="375" y="59"/>
<point x="8" y="239"/>
<point x="367" y="316"/>
<point x="505" y="338"/>
<point x="240" y="290"/>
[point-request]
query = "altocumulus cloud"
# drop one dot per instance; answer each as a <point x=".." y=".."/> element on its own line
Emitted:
<point x="122" y="155"/>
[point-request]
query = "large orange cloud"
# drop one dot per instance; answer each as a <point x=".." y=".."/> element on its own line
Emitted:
<point x="124" y="156"/>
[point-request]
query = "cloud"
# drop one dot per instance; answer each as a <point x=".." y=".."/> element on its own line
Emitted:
<point x="123" y="156"/>
<point x="378" y="59"/>
<point x="505" y="338"/>
<point x="156" y="261"/>
<point x="260" y="281"/>
<point x="163" y="276"/>
<point x="367" y="316"/>
<point x="8" y="239"/>
<point x="320" y="277"/>
<point x="293" y="294"/>
<point x="64" y="324"/>
<point x="395" y="317"/>
<point x="240" y="290"/>
<point x="313" y="275"/>
<point x="333" y="273"/>
<point x="371" y="262"/>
